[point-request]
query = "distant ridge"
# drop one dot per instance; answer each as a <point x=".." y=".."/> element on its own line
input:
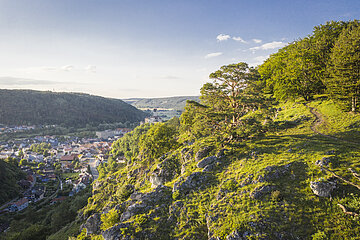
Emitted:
<point x="69" y="109"/>
<point x="176" y="103"/>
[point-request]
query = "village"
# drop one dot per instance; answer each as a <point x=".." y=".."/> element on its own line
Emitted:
<point x="56" y="168"/>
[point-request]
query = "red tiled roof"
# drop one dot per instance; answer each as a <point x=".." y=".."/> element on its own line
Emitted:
<point x="21" y="202"/>
<point x="70" y="157"/>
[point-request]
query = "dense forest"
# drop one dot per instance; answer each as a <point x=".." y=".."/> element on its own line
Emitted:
<point x="67" y="109"/>
<point x="269" y="153"/>
<point x="10" y="174"/>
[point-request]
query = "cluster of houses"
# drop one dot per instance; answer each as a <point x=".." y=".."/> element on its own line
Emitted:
<point x="72" y="154"/>
<point x="112" y="133"/>
<point x="13" y="129"/>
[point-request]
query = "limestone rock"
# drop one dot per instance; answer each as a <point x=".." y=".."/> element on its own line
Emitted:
<point x="324" y="162"/>
<point x="261" y="191"/>
<point x="186" y="154"/>
<point x="156" y="180"/>
<point x="92" y="224"/>
<point x="322" y="189"/>
<point x="114" y="233"/>
<point x="274" y="172"/>
<point x="206" y="161"/>
<point x="194" y="181"/>
<point x="202" y="153"/>
<point x="165" y="171"/>
<point x="160" y="195"/>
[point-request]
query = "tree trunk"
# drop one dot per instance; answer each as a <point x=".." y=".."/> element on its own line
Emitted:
<point x="353" y="103"/>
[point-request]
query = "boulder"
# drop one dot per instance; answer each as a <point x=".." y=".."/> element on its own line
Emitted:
<point x="92" y="224"/>
<point x="186" y="154"/>
<point x="324" y="162"/>
<point x="156" y="180"/>
<point x="144" y="202"/>
<point x="206" y="161"/>
<point x="274" y="172"/>
<point x="210" y="167"/>
<point x="165" y="171"/>
<point x="322" y="189"/>
<point x="202" y="153"/>
<point x="261" y="191"/>
<point x="115" y="233"/>
<point x="194" y="181"/>
<point x="235" y="235"/>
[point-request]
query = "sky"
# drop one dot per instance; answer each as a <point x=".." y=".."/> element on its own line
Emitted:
<point x="147" y="48"/>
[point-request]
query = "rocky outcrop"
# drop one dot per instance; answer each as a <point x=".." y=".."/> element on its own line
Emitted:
<point x="259" y="192"/>
<point x="322" y="189"/>
<point x="195" y="181"/>
<point x="207" y="161"/>
<point x="186" y="154"/>
<point x="92" y="224"/>
<point x="143" y="203"/>
<point x="156" y="180"/>
<point x="274" y="172"/>
<point x="324" y="162"/>
<point x="115" y="233"/>
<point x="202" y="153"/>
<point x="165" y="171"/>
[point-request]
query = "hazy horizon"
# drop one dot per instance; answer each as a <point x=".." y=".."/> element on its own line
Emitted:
<point x="141" y="49"/>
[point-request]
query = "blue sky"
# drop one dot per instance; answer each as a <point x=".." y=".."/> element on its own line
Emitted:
<point x="148" y="48"/>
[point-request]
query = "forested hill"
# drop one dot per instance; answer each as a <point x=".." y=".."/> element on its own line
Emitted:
<point x="176" y="103"/>
<point x="10" y="174"/>
<point x="71" y="109"/>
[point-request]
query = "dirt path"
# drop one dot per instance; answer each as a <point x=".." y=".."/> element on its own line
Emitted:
<point x="319" y="120"/>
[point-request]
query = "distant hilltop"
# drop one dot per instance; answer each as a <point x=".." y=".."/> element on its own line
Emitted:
<point x="29" y="107"/>
<point x="175" y="103"/>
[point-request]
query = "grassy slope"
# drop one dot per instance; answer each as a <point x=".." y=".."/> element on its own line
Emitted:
<point x="291" y="210"/>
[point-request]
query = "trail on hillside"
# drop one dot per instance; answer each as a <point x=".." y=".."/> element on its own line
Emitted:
<point x="319" y="120"/>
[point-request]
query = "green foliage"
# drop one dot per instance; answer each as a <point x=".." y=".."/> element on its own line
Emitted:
<point x="67" y="109"/>
<point x="10" y="174"/>
<point x="344" y="82"/>
<point x="319" y="236"/>
<point x="40" y="223"/>
<point x="300" y="69"/>
<point x="127" y="146"/>
<point x="158" y="140"/>
<point x="109" y="219"/>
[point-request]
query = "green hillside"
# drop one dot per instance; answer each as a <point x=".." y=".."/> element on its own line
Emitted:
<point x="176" y="103"/>
<point x="10" y="174"/>
<point x="270" y="153"/>
<point x="258" y="188"/>
<point x="70" y="109"/>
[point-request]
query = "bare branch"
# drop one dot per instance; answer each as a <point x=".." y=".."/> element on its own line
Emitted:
<point x="347" y="212"/>
<point x="355" y="174"/>
<point x="341" y="178"/>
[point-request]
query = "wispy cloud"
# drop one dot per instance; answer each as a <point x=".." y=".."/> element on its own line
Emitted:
<point x="267" y="46"/>
<point x="257" y="40"/>
<point x="211" y="55"/>
<point x="170" y="77"/>
<point x="11" y="81"/>
<point x="67" y="68"/>
<point x="223" y="37"/>
<point x="239" y="39"/>
<point x="90" y="68"/>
